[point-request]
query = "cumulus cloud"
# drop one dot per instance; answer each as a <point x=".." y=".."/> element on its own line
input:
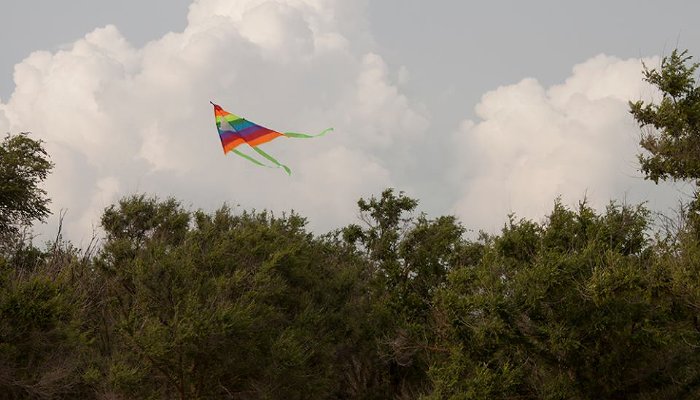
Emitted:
<point x="4" y="123"/>
<point x="533" y="144"/>
<point x="118" y="119"/>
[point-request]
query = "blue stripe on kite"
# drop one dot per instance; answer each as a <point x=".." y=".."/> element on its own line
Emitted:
<point x="241" y="124"/>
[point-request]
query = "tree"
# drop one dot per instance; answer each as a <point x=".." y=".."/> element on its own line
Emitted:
<point x="24" y="164"/>
<point x="219" y="305"/>
<point x="410" y="257"/>
<point x="578" y="307"/>
<point x="673" y="141"/>
<point x="45" y="328"/>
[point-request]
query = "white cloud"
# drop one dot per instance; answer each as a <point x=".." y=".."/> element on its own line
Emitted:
<point x="331" y="166"/>
<point x="533" y="144"/>
<point x="119" y="120"/>
<point x="4" y="123"/>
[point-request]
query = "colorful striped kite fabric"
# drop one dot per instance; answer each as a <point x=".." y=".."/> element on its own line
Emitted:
<point x="235" y="130"/>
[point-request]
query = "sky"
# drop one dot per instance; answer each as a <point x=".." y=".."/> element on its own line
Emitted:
<point x="475" y="109"/>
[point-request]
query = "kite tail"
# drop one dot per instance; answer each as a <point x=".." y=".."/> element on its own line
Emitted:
<point x="251" y="159"/>
<point x="272" y="159"/>
<point x="305" y="136"/>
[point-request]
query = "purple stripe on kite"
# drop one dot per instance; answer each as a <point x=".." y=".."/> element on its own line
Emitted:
<point x="255" y="132"/>
<point x="260" y="134"/>
<point x="229" y="136"/>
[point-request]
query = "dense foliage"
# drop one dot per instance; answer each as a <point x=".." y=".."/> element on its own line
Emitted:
<point x="578" y="307"/>
<point x="188" y="304"/>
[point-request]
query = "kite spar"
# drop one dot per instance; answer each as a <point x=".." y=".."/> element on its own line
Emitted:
<point x="235" y="130"/>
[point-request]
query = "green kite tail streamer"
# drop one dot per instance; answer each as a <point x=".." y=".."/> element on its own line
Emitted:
<point x="305" y="136"/>
<point x="272" y="159"/>
<point x="251" y="159"/>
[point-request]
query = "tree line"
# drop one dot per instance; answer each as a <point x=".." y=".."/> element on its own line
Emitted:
<point x="188" y="304"/>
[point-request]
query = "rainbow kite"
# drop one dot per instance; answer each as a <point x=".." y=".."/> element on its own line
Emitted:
<point x="234" y="131"/>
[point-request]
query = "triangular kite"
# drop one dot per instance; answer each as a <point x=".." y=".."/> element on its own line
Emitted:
<point x="235" y="130"/>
